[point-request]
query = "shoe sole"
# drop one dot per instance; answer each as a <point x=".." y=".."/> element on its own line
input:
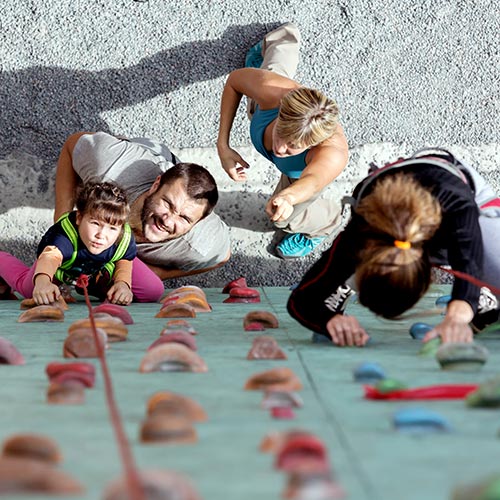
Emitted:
<point x="289" y="257"/>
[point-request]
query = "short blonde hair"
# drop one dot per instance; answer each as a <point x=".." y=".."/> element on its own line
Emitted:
<point x="306" y="117"/>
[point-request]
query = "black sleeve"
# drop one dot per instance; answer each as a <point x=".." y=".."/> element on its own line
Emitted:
<point x="465" y="252"/>
<point x="460" y="235"/>
<point x="313" y="302"/>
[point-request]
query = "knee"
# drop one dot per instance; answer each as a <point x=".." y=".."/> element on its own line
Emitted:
<point x="150" y="293"/>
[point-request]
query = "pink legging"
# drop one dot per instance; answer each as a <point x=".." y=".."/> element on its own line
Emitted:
<point x="146" y="286"/>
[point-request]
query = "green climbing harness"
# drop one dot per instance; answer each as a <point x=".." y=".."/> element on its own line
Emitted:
<point x="62" y="272"/>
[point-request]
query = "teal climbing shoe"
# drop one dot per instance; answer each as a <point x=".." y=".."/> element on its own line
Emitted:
<point x="296" y="245"/>
<point x="254" y="58"/>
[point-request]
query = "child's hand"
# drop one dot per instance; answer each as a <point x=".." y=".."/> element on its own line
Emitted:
<point x="120" y="293"/>
<point x="45" y="292"/>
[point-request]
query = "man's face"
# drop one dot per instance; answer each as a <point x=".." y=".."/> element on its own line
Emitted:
<point x="168" y="212"/>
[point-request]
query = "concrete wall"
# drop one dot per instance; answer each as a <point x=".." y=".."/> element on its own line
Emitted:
<point x="405" y="74"/>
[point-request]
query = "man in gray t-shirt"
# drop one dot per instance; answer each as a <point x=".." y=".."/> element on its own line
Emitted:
<point x="176" y="231"/>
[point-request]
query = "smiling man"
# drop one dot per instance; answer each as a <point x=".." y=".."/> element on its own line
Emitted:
<point x="172" y="203"/>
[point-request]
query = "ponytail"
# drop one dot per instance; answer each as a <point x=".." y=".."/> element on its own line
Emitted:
<point x="394" y="268"/>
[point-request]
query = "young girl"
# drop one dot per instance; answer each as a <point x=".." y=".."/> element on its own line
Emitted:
<point x="297" y="129"/>
<point x="94" y="240"/>
<point x="408" y="216"/>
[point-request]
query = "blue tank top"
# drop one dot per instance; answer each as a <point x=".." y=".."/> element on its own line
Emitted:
<point x="292" y="166"/>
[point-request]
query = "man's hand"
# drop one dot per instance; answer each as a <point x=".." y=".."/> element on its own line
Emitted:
<point x="234" y="164"/>
<point x="45" y="292"/>
<point x="120" y="293"/>
<point x="346" y="330"/>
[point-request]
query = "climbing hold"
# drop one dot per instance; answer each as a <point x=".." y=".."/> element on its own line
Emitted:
<point x="443" y="300"/>
<point x="419" y="420"/>
<point x="486" y="395"/>
<point x="462" y="356"/>
<point x="368" y="373"/>
<point x="430" y="347"/>
<point x="387" y="385"/>
<point x="265" y="347"/>
<point x="418" y="330"/>
<point x="265" y="318"/>
<point x="276" y="379"/>
<point x="240" y="282"/>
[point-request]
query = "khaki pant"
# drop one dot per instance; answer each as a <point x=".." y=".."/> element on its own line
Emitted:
<point x="318" y="216"/>
<point x="280" y="51"/>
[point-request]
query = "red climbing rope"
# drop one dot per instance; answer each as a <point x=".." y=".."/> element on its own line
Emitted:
<point x="470" y="279"/>
<point x="136" y="491"/>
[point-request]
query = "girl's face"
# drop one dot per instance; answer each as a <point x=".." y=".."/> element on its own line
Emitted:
<point x="96" y="234"/>
<point x="281" y="148"/>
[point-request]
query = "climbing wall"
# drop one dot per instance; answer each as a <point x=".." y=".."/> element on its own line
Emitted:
<point x="368" y="457"/>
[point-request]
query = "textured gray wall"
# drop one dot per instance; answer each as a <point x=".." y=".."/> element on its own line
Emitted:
<point x="405" y="74"/>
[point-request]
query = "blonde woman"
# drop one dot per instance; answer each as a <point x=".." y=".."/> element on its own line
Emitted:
<point x="413" y="214"/>
<point x="297" y="129"/>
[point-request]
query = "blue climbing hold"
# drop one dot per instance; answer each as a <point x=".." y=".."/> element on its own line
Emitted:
<point x="318" y="338"/>
<point x="368" y="373"/>
<point x="418" y="330"/>
<point x="443" y="300"/>
<point x="420" y="420"/>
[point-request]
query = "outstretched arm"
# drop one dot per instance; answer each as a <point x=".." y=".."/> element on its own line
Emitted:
<point x="322" y="294"/>
<point x="44" y="291"/>
<point x="325" y="162"/>
<point x="231" y="161"/>
<point x="66" y="177"/>
<point x="346" y="331"/>
<point x="266" y="89"/>
<point x="121" y="290"/>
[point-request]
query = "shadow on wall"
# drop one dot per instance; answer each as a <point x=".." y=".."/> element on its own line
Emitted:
<point x="244" y="209"/>
<point x="258" y="271"/>
<point x="42" y="105"/>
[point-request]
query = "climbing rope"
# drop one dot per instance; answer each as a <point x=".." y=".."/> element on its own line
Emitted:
<point x="136" y="491"/>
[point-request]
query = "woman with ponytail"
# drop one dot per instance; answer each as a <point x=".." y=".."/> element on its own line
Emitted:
<point x="408" y="217"/>
<point x="294" y="127"/>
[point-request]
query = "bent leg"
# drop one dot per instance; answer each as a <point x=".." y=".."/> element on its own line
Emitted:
<point x="17" y="274"/>
<point x="146" y="285"/>
<point x="280" y="50"/>
<point x="280" y="53"/>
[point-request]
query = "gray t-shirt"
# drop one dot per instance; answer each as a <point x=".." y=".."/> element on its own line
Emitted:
<point x="134" y="165"/>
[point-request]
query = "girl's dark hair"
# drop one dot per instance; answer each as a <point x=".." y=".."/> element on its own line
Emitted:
<point x="198" y="181"/>
<point x="104" y="201"/>
<point x="394" y="268"/>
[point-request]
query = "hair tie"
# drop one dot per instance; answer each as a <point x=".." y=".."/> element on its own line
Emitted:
<point x="403" y="245"/>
